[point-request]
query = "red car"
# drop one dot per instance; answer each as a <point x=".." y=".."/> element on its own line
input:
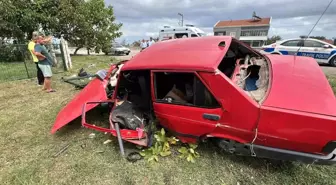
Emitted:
<point x="217" y="88"/>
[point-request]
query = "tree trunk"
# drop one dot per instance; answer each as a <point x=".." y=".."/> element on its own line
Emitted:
<point x="88" y="51"/>
<point x="75" y="53"/>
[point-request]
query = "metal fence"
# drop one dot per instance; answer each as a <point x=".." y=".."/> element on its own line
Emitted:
<point x="16" y="62"/>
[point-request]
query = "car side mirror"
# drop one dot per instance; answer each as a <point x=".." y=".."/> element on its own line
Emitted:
<point x="326" y="46"/>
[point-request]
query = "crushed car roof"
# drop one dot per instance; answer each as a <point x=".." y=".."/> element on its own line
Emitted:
<point x="196" y="54"/>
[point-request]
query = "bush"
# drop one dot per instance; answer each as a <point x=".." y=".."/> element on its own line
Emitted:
<point x="11" y="53"/>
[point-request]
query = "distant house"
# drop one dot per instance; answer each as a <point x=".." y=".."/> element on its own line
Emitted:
<point x="251" y="31"/>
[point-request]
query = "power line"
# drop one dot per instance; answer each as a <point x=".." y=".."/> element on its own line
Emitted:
<point x="316" y="23"/>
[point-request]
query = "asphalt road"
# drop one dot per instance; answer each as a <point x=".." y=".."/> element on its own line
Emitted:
<point x="328" y="70"/>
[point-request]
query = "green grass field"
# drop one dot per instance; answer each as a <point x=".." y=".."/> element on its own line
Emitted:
<point x="16" y="71"/>
<point x="28" y="149"/>
<point x="22" y="70"/>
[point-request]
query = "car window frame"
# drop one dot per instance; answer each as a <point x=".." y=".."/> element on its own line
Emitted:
<point x="299" y="40"/>
<point x="322" y="44"/>
<point x="196" y="75"/>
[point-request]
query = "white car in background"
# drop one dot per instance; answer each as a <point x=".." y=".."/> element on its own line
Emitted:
<point x="322" y="51"/>
<point x="118" y="49"/>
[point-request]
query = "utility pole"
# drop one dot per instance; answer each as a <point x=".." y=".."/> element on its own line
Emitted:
<point x="181" y="17"/>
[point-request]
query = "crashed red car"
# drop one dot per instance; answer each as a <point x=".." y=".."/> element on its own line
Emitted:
<point x="217" y="88"/>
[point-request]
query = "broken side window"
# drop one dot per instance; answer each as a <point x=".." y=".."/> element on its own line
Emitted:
<point x="183" y="89"/>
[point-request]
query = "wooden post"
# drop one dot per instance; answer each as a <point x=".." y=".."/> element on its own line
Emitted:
<point x="65" y="55"/>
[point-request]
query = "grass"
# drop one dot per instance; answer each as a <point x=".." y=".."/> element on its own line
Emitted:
<point x="332" y="81"/>
<point x="21" y="70"/>
<point x="27" y="148"/>
<point x="16" y="70"/>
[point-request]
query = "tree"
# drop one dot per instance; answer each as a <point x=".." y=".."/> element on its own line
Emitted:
<point x="273" y="39"/>
<point x="84" y="23"/>
<point x="19" y="18"/>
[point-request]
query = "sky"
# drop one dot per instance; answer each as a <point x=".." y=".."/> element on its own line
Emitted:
<point x="290" y="18"/>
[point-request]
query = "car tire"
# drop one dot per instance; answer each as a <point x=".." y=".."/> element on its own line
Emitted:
<point x="333" y="61"/>
<point x="127" y="53"/>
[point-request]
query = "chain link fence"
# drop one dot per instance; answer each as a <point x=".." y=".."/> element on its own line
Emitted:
<point x="16" y="62"/>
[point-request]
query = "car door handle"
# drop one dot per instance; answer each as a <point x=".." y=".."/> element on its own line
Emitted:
<point x="211" y="117"/>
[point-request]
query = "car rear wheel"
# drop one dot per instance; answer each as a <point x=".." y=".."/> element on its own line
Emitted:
<point x="333" y="61"/>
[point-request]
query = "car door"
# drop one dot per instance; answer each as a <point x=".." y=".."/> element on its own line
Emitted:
<point x="290" y="47"/>
<point x="316" y="50"/>
<point x="184" y="105"/>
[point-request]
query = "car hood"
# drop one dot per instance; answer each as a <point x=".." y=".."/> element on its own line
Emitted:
<point x="298" y="83"/>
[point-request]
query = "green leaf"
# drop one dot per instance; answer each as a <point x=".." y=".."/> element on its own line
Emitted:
<point x="163" y="132"/>
<point x="157" y="138"/>
<point x="165" y="153"/>
<point x="172" y="140"/>
<point x="183" y="150"/>
<point x="151" y="159"/>
<point x="156" y="158"/>
<point x="193" y="146"/>
<point x="192" y="150"/>
<point x="192" y="160"/>
<point x="189" y="158"/>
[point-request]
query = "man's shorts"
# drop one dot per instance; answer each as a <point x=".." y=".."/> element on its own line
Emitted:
<point x="46" y="70"/>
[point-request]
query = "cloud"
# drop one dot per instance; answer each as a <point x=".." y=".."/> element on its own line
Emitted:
<point x="290" y="18"/>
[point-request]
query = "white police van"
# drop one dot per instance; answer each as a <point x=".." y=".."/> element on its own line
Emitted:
<point x="187" y="31"/>
<point x="323" y="52"/>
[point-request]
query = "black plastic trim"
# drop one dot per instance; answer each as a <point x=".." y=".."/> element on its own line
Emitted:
<point x="329" y="147"/>
<point x="289" y="155"/>
<point x="212" y="117"/>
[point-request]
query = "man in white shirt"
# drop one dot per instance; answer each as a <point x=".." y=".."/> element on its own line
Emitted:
<point x="143" y="45"/>
<point x="151" y="41"/>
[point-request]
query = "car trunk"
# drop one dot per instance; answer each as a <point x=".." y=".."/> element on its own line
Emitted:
<point x="298" y="83"/>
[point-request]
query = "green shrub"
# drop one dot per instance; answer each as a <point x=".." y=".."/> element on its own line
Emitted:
<point x="11" y="53"/>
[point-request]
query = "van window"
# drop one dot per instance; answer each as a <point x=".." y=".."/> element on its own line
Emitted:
<point x="181" y="35"/>
<point x="183" y="89"/>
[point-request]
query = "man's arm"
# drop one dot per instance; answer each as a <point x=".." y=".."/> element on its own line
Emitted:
<point x="39" y="55"/>
<point x="37" y="52"/>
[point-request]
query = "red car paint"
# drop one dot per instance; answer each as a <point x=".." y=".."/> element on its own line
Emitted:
<point x="180" y="54"/>
<point x="94" y="91"/>
<point x="234" y="123"/>
<point x="298" y="113"/>
<point x="300" y="84"/>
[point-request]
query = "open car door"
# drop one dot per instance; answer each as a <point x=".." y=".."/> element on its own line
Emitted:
<point x="94" y="91"/>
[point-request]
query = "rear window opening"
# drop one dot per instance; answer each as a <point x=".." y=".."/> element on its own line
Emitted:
<point x="183" y="89"/>
<point x="247" y="69"/>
